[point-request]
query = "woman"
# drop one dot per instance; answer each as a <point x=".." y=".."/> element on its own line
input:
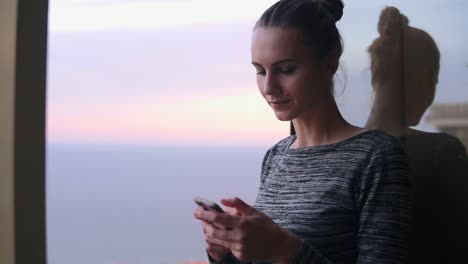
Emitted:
<point x="332" y="193"/>
<point x="405" y="64"/>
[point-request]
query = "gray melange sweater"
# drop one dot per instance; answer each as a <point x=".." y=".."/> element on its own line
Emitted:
<point x="349" y="202"/>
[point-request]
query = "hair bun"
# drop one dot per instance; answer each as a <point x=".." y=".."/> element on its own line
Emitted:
<point x="390" y="21"/>
<point x="334" y="7"/>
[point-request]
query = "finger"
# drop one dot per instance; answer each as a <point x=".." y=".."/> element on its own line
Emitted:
<point x="212" y="231"/>
<point x="240" y="205"/>
<point x="232" y="211"/>
<point x="226" y="244"/>
<point x="213" y="247"/>
<point x="203" y="223"/>
<point x="222" y="219"/>
<point x="197" y="211"/>
<point x="218" y="225"/>
<point x="206" y="227"/>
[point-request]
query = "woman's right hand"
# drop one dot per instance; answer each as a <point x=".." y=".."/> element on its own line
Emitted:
<point x="216" y="252"/>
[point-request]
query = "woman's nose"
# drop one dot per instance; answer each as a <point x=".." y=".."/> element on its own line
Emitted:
<point x="271" y="85"/>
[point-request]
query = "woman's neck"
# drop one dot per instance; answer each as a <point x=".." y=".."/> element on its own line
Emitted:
<point x="323" y="125"/>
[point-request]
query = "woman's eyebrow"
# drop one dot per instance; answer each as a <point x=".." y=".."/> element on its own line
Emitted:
<point x="274" y="63"/>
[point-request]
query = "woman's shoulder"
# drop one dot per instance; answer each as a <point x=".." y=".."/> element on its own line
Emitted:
<point x="385" y="152"/>
<point x="374" y="146"/>
<point x="370" y="141"/>
<point x="377" y="137"/>
<point x="282" y="144"/>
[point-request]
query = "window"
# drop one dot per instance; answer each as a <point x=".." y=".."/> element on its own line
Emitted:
<point x="153" y="102"/>
<point x="150" y="103"/>
<point x="22" y="131"/>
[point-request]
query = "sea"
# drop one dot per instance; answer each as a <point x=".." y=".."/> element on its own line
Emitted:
<point x="133" y="204"/>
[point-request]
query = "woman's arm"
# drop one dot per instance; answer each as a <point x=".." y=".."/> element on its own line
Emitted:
<point x="384" y="201"/>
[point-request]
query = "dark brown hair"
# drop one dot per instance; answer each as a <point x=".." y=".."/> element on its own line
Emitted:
<point x="314" y="18"/>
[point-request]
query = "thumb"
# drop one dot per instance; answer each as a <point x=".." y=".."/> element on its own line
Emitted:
<point x="240" y="205"/>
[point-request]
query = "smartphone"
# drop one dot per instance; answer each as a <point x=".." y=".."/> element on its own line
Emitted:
<point x="208" y="205"/>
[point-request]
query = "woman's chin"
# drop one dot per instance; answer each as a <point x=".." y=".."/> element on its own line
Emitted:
<point x="283" y="116"/>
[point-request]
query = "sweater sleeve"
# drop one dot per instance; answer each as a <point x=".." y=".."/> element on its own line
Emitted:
<point x="384" y="203"/>
<point x="309" y="255"/>
<point x="228" y="259"/>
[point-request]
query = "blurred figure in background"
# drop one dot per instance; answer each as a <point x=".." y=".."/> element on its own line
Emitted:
<point x="405" y="67"/>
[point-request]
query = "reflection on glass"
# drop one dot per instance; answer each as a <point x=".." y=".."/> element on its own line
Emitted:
<point x="405" y="65"/>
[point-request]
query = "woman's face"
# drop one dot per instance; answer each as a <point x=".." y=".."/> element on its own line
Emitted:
<point x="288" y="76"/>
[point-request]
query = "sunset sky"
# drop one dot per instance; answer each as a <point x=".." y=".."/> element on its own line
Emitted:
<point x="178" y="71"/>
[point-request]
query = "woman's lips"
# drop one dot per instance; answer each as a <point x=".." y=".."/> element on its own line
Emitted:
<point x="279" y="104"/>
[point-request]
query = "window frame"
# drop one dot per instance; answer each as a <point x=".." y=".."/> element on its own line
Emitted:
<point x="22" y="131"/>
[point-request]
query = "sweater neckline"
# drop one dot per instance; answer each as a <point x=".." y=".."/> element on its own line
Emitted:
<point x="333" y="145"/>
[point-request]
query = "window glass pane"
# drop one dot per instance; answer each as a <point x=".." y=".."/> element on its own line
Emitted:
<point x="151" y="103"/>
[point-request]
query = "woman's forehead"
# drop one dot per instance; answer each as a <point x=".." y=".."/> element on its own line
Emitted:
<point x="277" y="43"/>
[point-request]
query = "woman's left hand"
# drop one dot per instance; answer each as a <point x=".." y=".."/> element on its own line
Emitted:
<point x="250" y="234"/>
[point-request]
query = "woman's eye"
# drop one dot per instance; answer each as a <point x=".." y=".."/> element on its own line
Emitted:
<point x="261" y="73"/>
<point x="286" y="70"/>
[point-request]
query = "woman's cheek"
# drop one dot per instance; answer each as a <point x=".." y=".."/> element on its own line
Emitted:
<point x="292" y="86"/>
<point x="260" y="82"/>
